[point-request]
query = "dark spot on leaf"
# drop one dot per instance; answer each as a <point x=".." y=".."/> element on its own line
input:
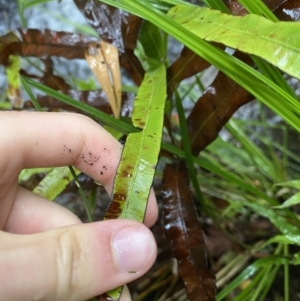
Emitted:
<point x="126" y="174"/>
<point x="114" y="210"/>
<point x="119" y="197"/>
<point x="101" y="173"/>
<point x="106" y="297"/>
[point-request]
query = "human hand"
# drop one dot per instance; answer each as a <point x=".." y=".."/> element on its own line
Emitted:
<point x="45" y="251"/>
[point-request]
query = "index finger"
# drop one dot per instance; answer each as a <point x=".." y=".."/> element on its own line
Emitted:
<point x="40" y="139"/>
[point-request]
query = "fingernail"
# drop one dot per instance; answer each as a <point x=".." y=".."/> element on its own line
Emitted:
<point x="133" y="248"/>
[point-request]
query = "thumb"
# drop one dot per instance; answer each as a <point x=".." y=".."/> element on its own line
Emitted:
<point x="75" y="262"/>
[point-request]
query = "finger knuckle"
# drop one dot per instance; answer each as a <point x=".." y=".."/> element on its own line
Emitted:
<point x="68" y="254"/>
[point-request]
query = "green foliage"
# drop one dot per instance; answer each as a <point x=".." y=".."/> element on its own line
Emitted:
<point x="153" y="42"/>
<point x="54" y="183"/>
<point x="259" y="8"/>
<point x="279" y="100"/>
<point x="12" y="72"/>
<point x="276" y="42"/>
<point x="251" y="172"/>
<point x="134" y="177"/>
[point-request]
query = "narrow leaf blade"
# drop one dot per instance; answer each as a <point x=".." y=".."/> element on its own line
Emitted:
<point x="54" y="182"/>
<point x="185" y="234"/>
<point x="136" y="170"/>
<point x="140" y="155"/>
<point x="278" y="42"/>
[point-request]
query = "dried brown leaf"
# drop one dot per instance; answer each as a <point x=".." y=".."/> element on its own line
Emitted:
<point x="53" y="81"/>
<point x="288" y="10"/>
<point x="187" y="65"/>
<point x="43" y="44"/>
<point x="117" y="27"/>
<point x="214" y="108"/>
<point x="285" y="10"/>
<point x="103" y="59"/>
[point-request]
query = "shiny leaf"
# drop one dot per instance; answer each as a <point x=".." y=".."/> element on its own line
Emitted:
<point x="214" y="108"/>
<point x="118" y="28"/>
<point x="278" y="43"/>
<point x="293" y="200"/>
<point x="187" y="65"/>
<point x="136" y="170"/>
<point x="185" y="234"/>
<point x="140" y="155"/>
<point x="287" y="10"/>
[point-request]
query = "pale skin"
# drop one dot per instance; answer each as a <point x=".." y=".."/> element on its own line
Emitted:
<point x="46" y="253"/>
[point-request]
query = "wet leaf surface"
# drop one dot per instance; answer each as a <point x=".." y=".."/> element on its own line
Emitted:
<point x="187" y="65"/>
<point x="214" y="108"/>
<point x="288" y="10"/>
<point x="275" y="42"/>
<point x="185" y="234"/>
<point x="208" y="116"/>
<point x="43" y="44"/>
<point x="136" y="170"/>
<point x="285" y="10"/>
<point x="223" y="97"/>
<point x="117" y="27"/>
<point x="140" y="155"/>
